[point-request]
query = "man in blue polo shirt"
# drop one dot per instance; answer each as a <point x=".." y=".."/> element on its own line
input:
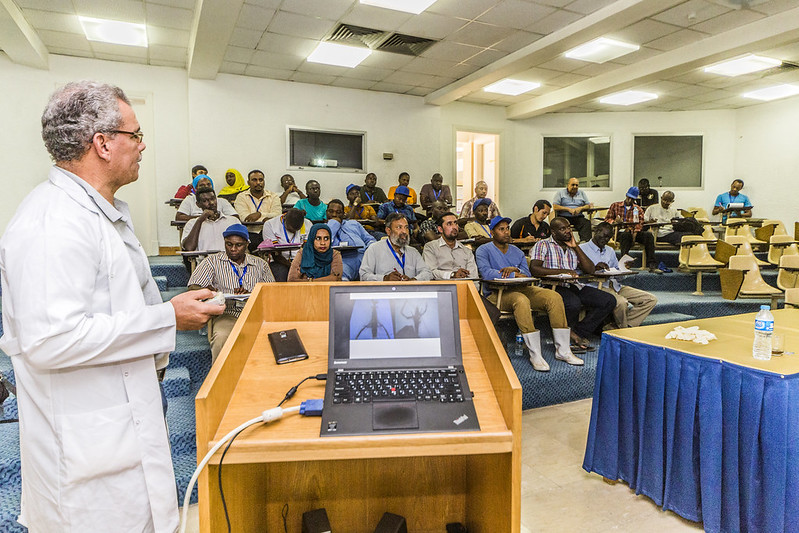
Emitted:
<point x="570" y="203"/>
<point x="734" y="196"/>
<point x="398" y="205"/>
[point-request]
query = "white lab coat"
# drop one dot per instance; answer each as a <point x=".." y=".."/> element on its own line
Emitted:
<point x="94" y="445"/>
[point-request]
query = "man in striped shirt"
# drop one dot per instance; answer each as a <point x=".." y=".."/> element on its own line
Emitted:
<point x="233" y="271"/>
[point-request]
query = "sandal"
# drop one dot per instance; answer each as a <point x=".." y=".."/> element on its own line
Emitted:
<point x="585" y="344"/>
<point x="576" y="348"/>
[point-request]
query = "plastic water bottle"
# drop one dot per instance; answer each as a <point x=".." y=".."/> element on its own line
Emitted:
<point x="764" y="327"/>
<point x="520" y="344"/>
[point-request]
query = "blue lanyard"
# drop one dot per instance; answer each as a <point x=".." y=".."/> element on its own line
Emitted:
<point x="371" y="197"/>
<point x="437" y="194"/>
<point x="285" y="233"/>
<point x="400" y="261"/>
<point x="485" y="229"/>
<point x="239" y="276"/>
<point x="257" y="207"/>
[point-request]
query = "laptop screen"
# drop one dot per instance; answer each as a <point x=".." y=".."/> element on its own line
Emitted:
<point x="405" y="322"/>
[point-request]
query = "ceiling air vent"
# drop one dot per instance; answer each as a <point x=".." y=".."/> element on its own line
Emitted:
<point x="380" y="40"/>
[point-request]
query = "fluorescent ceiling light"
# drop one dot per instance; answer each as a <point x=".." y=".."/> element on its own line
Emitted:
<point x="628" y="98"/>
<point x="339" y="55"/>
<point x="743" y="65"/>
<point x="601" y="50"/>
<point x="114" y="32"/>
<point x="408" y="6"/>
<point x="512" y="87"/>
<point x="773" y="93"/>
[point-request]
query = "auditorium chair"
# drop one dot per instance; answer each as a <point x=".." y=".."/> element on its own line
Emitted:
<point x="695" y="257"/>
<point x="753" y="285"/>
<point x="779" y="246"/>
<point x="743" y="247"/>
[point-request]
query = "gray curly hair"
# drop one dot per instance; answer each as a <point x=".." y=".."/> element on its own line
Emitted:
<point x="75" y="113"/>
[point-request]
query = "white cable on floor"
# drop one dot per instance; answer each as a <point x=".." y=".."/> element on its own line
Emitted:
<point x="267" y="416"/>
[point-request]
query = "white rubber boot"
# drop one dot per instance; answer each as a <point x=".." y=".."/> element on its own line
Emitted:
<point x="562" y="337"/>
<point x="533" y="342"/>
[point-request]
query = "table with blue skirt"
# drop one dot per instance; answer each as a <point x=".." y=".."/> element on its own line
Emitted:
<point x="705" y="431"/>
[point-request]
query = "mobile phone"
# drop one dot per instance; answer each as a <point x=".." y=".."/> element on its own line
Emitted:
<point x="287" y="346"/>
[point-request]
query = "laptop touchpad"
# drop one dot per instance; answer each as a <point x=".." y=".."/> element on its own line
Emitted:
<point x="394" y="415"/>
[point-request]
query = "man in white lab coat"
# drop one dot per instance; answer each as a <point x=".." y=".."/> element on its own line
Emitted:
<point x="86" y="329"/>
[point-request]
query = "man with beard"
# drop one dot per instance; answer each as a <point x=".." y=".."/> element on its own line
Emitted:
<point x="446" y="256"/>
<point x="392" y="259"/>
<point x="570" y="204"/>
<point x="498" y="260"/>
<point x="257" y="205"/>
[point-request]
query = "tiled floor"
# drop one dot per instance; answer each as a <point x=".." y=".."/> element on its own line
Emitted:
<point x="558" y="495"/>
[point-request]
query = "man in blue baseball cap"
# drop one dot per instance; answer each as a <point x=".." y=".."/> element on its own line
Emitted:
<point x="479" y="228"/>
<point x="629" y="217"/>
<point x="233" y="271"/>
<point x="398" y="205"/>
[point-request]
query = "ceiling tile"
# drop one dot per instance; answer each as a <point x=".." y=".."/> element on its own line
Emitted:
<point x="60" y="6"/>
<point x="389" y="60"/>
<point x="418" y="91"/>
<point x="563" y="64"/>
<point x="553" y="3"/>
<point x="663" y="87"/>
<point x="118" y="50"/>
<point x="265" y="72"/>
<point x="62" y="39"/>
<point x="376" y="17"/>
<point x="368" y="73"/>
<point x="479" y="34"/>
<point x="229" y="67"/>
<point x="594" y="69"/>
<point x="436" y="82"/>
<point x="122" y="10"/>
<point x="185" y="4"/>
<point x="539" y="75"/>
<point x="391" y="87"/>
<point x="486" y="57"/>
<point x="254" y="17"/>
<point x="676" y="40"/>
<point x="245" y="38"/>
<point x="642" y="54"/>
<point x="643" y="31"/>
<point x="48" y="20"/>
<point x="323" y="70"/>
<point x="773" y="7"/>
<point x="689" y="91"/>
<point x="286" y="44"/>
<point x="566" y="79"/>
<point x="352" y="83"/>
<point x="691" y="12"/>
<point x="318" y="79"/>
<point x="69" y="52"/>
<point x="122" y="58"/>
<point x="269" y="4"/>
<point x="788" y="52"/>
<point x="170" y="17"/>
<point x="516" y="41"/>
<point x="426" y="65"/>
<point x="588" y="6"/>
<point x="466" y="9"/>
<point x="406" y="78"/>
<point x="167" y="36"/>
<point x="329" y="9"/>
<point x="515" y="14"/>
<point x="556" y="21"/>
<point x="431" y="26"/>
<point x="712" y="96"/>
<point x="167" y="63"/>
<point x="238" y="54"/>
<point x="167" y="53"/>
<point x="300" y="26"/>
<point x="728" y="21"/>
<point x="451" y="51"/>
<point x="278" y="61"/>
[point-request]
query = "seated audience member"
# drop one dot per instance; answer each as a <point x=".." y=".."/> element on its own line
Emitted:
<point x="630" y="218"/>
<point x="233" y="271"/>
<point x="316" y="260"/>
<point x="570" y="204"/>
<point x="289" y="228"/>
<point x="559" y="254"/>
<point x="348" y="232"/>
<point x="480" y="191"/>
<point x="435" y="191"/>
<point x="360" y="211"/>
<point x="446" y="256"/>
<point x="235" y="185"/>
<point x="315" y="209"/>
<point x="647" y="196"/>
<point x="533" y="227"/>
<point x="430" y="229"/>
<point x="184" y="190"/>
<point x="404" y="180"/>
<point x="370" y="192"/>
<point x="632" y="305"/>
<point x="188" y="207"/>
<point x="734" y="196"/>
<point x="257" y="205"/>
<point x="479" y="229"/>
<point x="205" y="231"/>
<point x="498" y="260"/>
<point x="291" y="193"/>
<point x="392" y="259"/>
<point x="397" y="205"/>
<point x="663" y="213"/>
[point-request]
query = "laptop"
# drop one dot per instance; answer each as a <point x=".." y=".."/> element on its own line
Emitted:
<point x="395" y="362"/>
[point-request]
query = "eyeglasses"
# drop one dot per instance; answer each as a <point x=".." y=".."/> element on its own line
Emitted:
<point x="137" y="135"/>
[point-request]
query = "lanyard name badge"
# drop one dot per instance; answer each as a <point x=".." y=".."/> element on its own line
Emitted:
<point x="257" y="207"/>
<point x="371" y="197"/>
<point x="401" y="262"/>
<point x="240" y="277"/>
<point x="437" y="194"/>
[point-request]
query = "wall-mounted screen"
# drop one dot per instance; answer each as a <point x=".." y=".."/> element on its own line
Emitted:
<point x="668" y="160"/>
<point x="320" y="149"/>
<point x="585" y="157"/>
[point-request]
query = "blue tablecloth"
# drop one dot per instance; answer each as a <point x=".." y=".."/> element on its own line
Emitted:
<point x="710" y="440"/>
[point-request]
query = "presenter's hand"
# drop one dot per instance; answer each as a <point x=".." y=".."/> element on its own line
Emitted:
<point x="191" y="313"/>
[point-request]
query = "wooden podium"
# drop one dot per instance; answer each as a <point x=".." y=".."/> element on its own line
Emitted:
<point x="430" y="478"/>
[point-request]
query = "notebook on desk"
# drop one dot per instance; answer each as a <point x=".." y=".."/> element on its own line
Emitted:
<point x="395" y="363"/>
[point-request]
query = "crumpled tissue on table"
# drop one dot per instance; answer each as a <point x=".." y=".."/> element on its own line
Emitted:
<point x="693" y="334"/>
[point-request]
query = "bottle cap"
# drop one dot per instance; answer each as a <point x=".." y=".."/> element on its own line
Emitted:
<point x="765" y="308"/>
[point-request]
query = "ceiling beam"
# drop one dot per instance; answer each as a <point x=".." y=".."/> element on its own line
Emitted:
<point x="19" y="40"/>
<point x="769" y="32"/>
<point x="214" y="22"/>
<point x="618" y="15"/>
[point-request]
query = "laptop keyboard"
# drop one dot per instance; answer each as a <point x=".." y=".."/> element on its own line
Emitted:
<point x="433" y="385"/>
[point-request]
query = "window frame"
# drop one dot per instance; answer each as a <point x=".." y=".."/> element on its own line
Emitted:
<point x="609" y="135"/>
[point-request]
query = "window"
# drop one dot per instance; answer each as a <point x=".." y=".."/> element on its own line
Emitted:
<point x="668" y="160"/>
<point x="326" y="149"/>
<point x="585" y="157"/>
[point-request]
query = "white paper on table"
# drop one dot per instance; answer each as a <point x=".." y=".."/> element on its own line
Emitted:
<point x="623" y="263"/>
